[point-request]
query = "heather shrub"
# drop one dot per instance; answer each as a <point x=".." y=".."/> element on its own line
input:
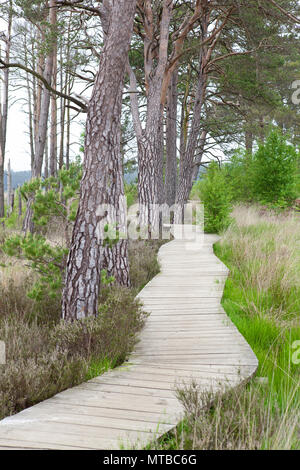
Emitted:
<point x="110" y="335"/>
<point x="34" y="369"/>
<point x="46" y="355"/>
<point x="44" y="359"/>
<point x="143" y="261"/>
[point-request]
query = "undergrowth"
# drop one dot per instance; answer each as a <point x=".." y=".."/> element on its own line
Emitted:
<point x="45" y="355"/>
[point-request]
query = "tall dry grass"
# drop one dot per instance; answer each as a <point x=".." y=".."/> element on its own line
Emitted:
<point x="266" y="253"/>
<point x="239" y="419"/>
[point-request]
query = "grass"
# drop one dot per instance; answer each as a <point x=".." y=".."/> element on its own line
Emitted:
<point x="45" y="355"/>
<point x="262" y="297"/>
<point x="262" y="294"/>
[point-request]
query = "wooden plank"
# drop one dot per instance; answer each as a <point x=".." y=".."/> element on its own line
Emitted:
<point x="45" y="440"/>
<point x="42" y="412"/>
<point x="23" y="444"/>
<point x="160" y="371"/>
<point x="122" y="402"/>
<point x="98" y="424"/>
<point x="158" y="382"/>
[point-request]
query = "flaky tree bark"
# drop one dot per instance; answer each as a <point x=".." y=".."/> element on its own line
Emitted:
<point x="46" y="157"/>
<point x="186" y="174"/>
<point x="102" y="156"/>
<point x="53" y="127"/>
<point x="198" y="159"/>
<point x="187" y="165"/>
<point x="43" y="121"/>
<point x="191" y="143"/>
<point x="150" y="139"/>
<point x="150" y="160"/>
<point x="160" y="61"/>
<point x="171" y="144"/>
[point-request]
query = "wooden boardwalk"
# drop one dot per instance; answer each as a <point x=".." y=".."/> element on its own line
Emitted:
<point x="187" y="337"/>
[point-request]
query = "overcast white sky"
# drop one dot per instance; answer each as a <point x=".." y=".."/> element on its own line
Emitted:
<point x="18" y="150"/>
<point x="17" y="141"/>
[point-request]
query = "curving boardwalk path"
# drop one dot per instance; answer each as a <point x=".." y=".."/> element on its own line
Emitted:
<point x="187" y="336"/>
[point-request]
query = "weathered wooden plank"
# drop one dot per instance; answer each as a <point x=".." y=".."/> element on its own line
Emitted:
<point x="46" y="440"/>
<point x="189" y="370"/>
<point x="161" y="382"/>
<point x="23" y="444"/>
<point x="43" y="412"/>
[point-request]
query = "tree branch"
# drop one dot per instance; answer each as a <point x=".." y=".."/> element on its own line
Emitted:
<point x="230" y="54"/>
<point x="5" y="65"/>
<point x="77" y="4"/>
<point x="286" y="13"/>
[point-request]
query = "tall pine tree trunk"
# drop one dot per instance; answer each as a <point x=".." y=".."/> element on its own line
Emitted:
<point x="187" y="158"/>
<point x="53" y="127"/>
<point x="187" y="164"/>
<point x="4" y="109"/>
<point x="102" y="156"/>
<point x="115" y="257"/>
<point x="150" y="160"/>
<point x="249" y="142"/>
<point x="42" y="124"/>
<point x="9" y="189"/>
<point x="150" y="139"/>
<point x="171" y="141"/>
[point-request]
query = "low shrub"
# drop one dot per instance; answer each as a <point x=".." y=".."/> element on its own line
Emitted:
<point x="143" y="261"/>
<point x="35" y="369"/>
<point x="45" y="359"/>
<point x="46" y="355"/>
<point x="215" y="194"/>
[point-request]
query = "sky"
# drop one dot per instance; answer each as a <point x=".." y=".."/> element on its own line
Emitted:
<point x="17" y="140"/>
<point x="18" y="150"/>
